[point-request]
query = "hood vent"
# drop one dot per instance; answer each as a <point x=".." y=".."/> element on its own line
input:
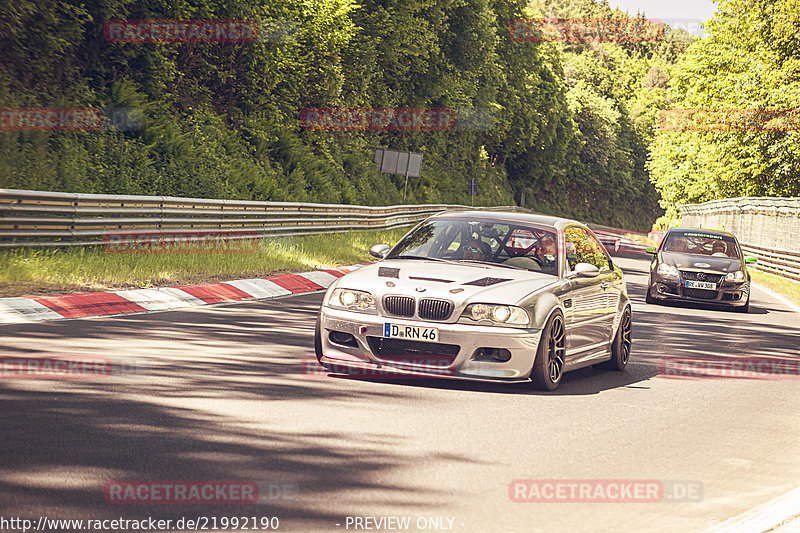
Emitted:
<point x="485" y="282"/>
<point x="418" y="278"/>
<point x="386" y="272"/>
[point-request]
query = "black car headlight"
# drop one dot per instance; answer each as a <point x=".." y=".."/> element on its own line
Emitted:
<point x="735" y="276"/>
<point x="352" y="300"/>
<point x="504" y="315"/>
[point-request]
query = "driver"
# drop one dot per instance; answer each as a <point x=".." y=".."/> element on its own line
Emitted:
<point x="549" y="247"/>
<point x="476" y="250"/>
<point x="718" y="248"/>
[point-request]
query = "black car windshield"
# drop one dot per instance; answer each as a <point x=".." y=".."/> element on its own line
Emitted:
<point x="480" y="241"/>
<point x="699" y="243"/>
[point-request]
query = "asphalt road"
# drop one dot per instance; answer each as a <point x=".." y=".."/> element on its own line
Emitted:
<point x="231" y="393"/>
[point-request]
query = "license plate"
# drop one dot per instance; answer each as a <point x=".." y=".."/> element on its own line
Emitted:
<point x="701" y="285"/>
<point x="398" y="331"/>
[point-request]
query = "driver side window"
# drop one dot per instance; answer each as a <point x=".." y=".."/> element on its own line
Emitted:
<point x="582" y="247"/>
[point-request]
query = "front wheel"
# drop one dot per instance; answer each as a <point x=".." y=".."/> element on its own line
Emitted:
<point x="621" y="346"/>
<point x="649" y="296"/>
<point x="548" y="367"/>
<point x="318" y="343"/>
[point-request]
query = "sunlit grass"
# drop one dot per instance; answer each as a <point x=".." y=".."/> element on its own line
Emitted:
<point x="41" y="271"/>
<point x="785" y="287"/>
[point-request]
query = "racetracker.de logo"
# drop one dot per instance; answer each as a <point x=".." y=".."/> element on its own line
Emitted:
<point x="181" y="31"/>
<point x="54" y="367"/>
<point x="428" y="369"/>
<point x="604" y="491"/>
<point x="398" y="119"/>
<point x="189" y="242"/>
<point x="198" y="492"/>
<point x="730" y="119"/>
<point x="771" y="368"/>
<point x="574" y="30"/>
<point x="168" y="492"/>
<point x="69" y="119"/>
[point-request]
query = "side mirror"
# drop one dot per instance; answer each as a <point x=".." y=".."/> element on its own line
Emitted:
<point x="586" y="270"/>
<point x="750" y="259"/>
<point x="651" y="250"/>
<point x="379" y="250"/>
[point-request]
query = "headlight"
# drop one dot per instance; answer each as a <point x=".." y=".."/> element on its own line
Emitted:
<point x="668" y="271"/>
<point x="735" y="276"/>
<point x="352" y="300"/>
<point x="500" y="314"/>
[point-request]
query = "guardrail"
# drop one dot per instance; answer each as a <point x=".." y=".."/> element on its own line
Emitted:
<point x="773" y="223"/>
<point x="37" y="218"/>
<point x="782" y="263"/>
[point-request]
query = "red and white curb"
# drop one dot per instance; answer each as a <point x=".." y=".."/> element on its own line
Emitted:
<point x="88" y="304"/>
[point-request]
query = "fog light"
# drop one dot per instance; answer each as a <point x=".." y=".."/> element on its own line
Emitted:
<point x="499" y="355"/>
<point x="345" y="339"/>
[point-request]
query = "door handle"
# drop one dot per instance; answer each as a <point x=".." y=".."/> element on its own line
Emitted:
<point x="604" y="285"/>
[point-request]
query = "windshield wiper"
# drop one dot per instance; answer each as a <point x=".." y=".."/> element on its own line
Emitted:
<point x="489" y="263"/>
<point x="420" y="257"/>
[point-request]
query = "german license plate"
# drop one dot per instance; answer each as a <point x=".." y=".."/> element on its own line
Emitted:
<point x="392" y="331"/>
<point x="701" y="285"/>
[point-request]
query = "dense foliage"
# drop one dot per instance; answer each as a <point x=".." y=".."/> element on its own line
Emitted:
<point x="573" y="121"/>
<point x="750" y="62"/>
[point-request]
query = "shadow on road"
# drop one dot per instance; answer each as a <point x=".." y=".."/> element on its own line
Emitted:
<point x="62" y="440"/>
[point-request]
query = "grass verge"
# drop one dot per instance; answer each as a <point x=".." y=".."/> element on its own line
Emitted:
<point x="31" y="271"/>
<point x="785" y="287"/>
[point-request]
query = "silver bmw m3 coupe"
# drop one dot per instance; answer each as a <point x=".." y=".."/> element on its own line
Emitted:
<point x="500" y="295"/>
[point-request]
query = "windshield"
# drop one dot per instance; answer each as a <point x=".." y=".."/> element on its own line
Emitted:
<point x="502" y="243"/>
<point x="702" y="244"/>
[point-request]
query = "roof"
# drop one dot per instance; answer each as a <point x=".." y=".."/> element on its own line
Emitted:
<point x="703" y="230"/>
<point x="509" y="214"/>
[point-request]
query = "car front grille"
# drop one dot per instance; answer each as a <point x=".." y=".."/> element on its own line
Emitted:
<point x="434" y="309"/>
<point x="416" y="352"/>
<point x="700" y="276"/>
<point x="700" y="294"/>
<point x="399" y="305"/>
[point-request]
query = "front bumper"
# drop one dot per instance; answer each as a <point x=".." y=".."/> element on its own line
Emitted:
<point x="727" y="293"/>
<point x="521" y="343"/>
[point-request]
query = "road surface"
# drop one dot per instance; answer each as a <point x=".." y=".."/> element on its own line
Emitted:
<point x="233" y="393"/>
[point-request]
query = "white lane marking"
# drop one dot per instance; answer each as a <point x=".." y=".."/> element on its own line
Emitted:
<point x="259" y="288"/>
<point x="794" y="307"/>
<point x="760" y="519"/>
<point x="320" y="278"/>
<point x="16" y="310"/>
<point x="161" y="299"/>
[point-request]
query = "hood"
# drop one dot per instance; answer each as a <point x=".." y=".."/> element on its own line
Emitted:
<point x="459" y="283"/>
<point x="701" y="263"/>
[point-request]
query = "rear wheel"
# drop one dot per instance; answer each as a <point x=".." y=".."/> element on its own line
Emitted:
<point x="621" y="347"/>
<point x="549" y="364"/>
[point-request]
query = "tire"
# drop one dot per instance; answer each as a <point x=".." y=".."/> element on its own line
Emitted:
<point x="318" y="343"/>
<point x="745" y="308"/>
<point x="548" y="367"/>
<point x="621" y="346"/>
<point x="649" y="297"/>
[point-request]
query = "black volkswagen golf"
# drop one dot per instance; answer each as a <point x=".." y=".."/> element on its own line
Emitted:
<point x="700" y="265"/>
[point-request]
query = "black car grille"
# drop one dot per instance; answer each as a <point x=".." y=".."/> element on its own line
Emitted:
<point x="701" y="294"/>
<point x="433" y="309"/>
<point x="401" y="350"/>
<point x="399" y="305"/>
<point x="700" y="276"/>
